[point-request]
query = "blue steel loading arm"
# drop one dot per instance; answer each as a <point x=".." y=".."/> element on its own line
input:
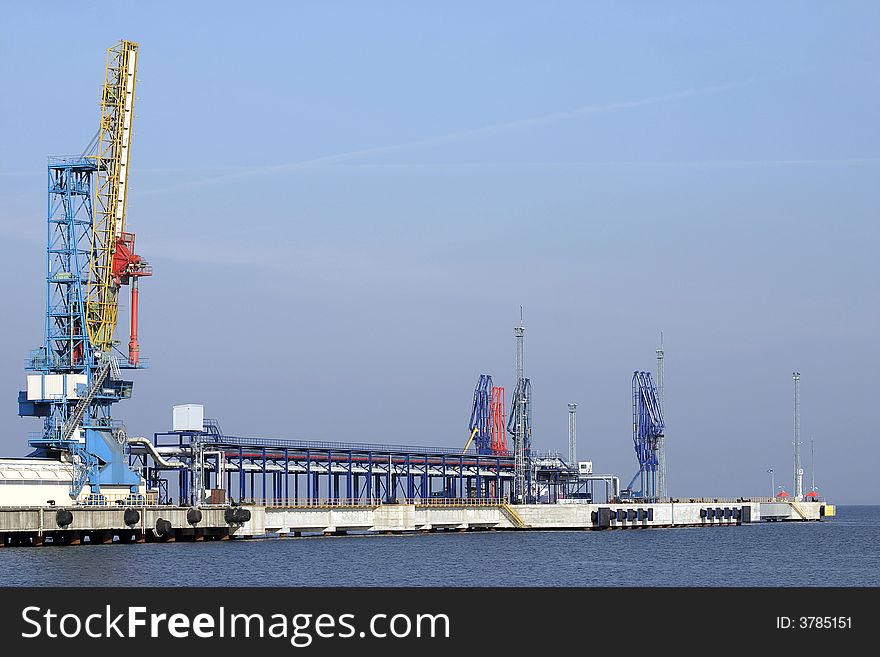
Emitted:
<point x="479" y="425"/>
<point x="648" y="427"/>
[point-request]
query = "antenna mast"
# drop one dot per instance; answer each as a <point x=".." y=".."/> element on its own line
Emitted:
<point x="798" y="470"/>
<point x="662" y="491"/>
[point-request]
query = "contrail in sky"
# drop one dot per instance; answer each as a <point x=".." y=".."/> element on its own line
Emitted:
<point x="455" y="136"/>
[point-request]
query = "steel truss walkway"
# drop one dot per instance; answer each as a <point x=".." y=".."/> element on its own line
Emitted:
<point x="277" y="470"/>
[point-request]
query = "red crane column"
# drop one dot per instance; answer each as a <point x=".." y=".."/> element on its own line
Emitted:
<point x="128" y="267"/>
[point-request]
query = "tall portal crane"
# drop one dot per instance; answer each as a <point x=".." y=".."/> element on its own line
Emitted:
<point x="77" y="374"/>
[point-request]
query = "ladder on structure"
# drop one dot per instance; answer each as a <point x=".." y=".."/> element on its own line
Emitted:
<point x="83" y="404"/>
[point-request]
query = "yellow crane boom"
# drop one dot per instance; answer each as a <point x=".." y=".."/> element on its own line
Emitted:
<point x="113" y="164"/>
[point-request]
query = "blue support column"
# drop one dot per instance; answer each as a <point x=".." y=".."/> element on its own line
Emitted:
<point x="286" y="476"/>
<point x="264" y="474"/>
<point x="241" y="481"/>
<point x="348" y="490"/>
<point x="389" y="488"/>
<point x="479" y="480"/>
<point x="443" y="474"/>
<point x="461" y="493"/>
<point x="308" y="474"/>
<point x="426" y="481"/>
<point x="331" y="489"/>
<point x="410" y="493"/>
<point x="369" y="475"/>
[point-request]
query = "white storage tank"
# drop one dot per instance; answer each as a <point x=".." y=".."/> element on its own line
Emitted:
<point x="188" y="417"/>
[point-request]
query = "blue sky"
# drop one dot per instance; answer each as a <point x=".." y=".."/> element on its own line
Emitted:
<point x="346" y="203"/>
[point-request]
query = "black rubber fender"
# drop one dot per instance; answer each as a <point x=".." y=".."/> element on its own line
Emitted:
<point x="194" y="516"/>
<point x="236" y="515"/>
<point x="63" y="517"/>
<point x="131" y="517"/>
<point x="163" y="527"/>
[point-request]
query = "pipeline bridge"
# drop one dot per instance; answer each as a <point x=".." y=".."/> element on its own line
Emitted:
<point x="277" y="470"/>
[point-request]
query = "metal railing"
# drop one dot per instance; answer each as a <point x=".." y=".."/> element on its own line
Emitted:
<point x="359" y="448"/>
<point x="456" y="501"/>
<point x="314" y="503"/>
<point x="736" y="500"/>
<point x="119" y="499"/>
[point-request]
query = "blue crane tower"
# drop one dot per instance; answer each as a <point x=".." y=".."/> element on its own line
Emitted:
<point x="76" y="372"/>
<point x="648" y="427"/>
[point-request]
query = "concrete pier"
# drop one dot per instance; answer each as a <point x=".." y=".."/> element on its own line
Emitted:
<point x="425" y="517"/>
<point x="35" y="526"/>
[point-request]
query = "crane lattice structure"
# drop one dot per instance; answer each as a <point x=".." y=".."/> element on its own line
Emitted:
<point x="77" y="374"/>
<point x="648" y="429"/>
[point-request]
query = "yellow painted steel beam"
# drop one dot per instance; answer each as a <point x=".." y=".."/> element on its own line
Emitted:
<point x="471" y="439"/>
<point x="113" y="163"/>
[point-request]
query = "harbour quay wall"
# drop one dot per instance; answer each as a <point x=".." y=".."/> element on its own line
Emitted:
<point x="20" y="526"/>
<point x="83" y="524"/>
<point x="393" y="518"/>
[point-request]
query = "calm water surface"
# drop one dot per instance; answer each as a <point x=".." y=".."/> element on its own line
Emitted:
<point x="844" y="551"/>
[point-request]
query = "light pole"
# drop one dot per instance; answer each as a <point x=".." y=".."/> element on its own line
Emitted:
<point x="772" y="482"/>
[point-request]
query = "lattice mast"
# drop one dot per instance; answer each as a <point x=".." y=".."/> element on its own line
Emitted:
<point x="519" y="423"/>
<point x="798" y="470"/>
<point x="662" y="490"/>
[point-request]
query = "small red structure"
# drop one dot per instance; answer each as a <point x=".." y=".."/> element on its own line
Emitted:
<point x="128" y="267"/>
<point x="498" y="422"/>
<point x="783" y="494"/>
<point x="812" y="494"/>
